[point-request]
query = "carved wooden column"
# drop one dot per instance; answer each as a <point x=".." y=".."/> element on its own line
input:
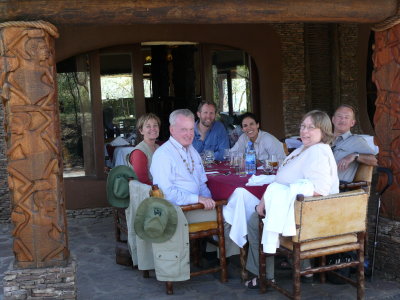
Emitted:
<point x="386" y="76"/>
<point x="28" y="88"/>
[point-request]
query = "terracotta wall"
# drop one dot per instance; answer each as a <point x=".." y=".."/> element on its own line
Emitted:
<point x="260" y="41"/>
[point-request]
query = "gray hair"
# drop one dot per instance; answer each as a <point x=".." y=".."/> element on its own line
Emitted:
<point x="180" y="112"/>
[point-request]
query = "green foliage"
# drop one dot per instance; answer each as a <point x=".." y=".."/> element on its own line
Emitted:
<point x="72" y="95"/>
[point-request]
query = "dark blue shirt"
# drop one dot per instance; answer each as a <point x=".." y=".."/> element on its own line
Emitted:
<point x="216" y="139"/>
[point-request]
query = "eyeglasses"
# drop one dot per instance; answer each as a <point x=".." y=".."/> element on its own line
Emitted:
<point x="309" y="128"/>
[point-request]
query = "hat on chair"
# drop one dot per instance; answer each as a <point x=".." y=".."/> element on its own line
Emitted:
<point x="118" y="186"/>
<point x="156" y="220"/>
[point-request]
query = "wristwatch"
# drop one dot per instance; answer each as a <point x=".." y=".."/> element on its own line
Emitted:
<point x="357" y="156"/>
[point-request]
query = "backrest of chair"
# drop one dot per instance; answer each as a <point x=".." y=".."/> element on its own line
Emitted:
<point x="363" y="173"/>
<point x="329" y="216"/>
<point x="285" y="148"/>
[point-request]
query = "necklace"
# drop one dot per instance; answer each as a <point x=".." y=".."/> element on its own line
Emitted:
<point x="293" y="157"/>
<point x="184" y="160"/>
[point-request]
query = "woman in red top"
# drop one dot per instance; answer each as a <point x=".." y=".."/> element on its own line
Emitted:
<point x="148" y="126"/>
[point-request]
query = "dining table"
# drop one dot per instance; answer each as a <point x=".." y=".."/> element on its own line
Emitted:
<point x="222" y="181"/>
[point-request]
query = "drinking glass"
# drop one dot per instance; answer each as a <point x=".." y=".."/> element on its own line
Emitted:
<point x="273" y="162"/>
<point x="236" y="162"/>
<point x="268" y="168"/>
<point x="232" y="159"/>
<point x="240" y="166"/>
<point x="226" y="155"/>
<point x="209" y="157"/>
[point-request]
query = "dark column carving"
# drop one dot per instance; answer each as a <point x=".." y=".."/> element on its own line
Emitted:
<point x="28" y="91"/>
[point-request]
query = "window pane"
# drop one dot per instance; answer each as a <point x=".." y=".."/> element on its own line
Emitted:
<point x="231" y="81"/>
<point x="118" y="102"/>
<point x="76" y="118"/>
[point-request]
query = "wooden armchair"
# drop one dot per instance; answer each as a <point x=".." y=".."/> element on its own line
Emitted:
<point x="325" y="225"/>
<point x="207" y="229"/>
<point x="362" y="178"/>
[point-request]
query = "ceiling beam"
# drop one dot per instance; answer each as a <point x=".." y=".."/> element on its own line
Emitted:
<point x="64" y="12"/>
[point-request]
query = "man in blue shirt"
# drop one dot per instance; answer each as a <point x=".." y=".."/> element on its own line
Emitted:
<point x="210" y="134"/>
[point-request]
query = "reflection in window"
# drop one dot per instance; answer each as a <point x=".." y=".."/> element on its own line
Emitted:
<point x="116" y="87"/>
<point x="118" y="106"/>
<point x="76" y="118"/>
<point x="117" y="96"/>
<point x="148" y="93"/>
<point x="231" y="81"/>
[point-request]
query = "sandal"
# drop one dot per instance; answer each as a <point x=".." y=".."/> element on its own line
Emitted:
<point x="253" y="284"/>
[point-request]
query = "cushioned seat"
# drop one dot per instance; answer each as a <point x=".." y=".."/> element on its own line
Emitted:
<point x="202" y="226"/>
<point x="287" y="242"/>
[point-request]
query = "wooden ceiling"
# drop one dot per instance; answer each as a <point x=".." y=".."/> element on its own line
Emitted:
<point x="65" y="12"/>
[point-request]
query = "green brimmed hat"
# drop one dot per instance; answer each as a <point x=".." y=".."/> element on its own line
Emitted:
<point x="156" y="220"/>
<point x="118" y="186"/>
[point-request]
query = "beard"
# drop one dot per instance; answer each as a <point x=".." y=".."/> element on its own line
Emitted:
<point x="206" y="123"/>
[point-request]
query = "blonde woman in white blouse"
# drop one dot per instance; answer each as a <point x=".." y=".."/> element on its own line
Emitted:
<point x="313" y="161"/>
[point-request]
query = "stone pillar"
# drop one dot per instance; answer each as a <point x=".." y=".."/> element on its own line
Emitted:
<point x="28" y="89"/>
<point x="386" y="73"/>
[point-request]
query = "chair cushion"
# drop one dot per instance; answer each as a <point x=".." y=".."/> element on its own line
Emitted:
<point x="321" y="243"/>
<point x="202" y="226"/>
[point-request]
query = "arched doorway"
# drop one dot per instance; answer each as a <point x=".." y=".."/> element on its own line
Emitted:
<point x="102" y="93"/>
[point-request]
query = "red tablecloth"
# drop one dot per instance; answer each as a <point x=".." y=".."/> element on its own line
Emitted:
<point x="222" y="186"/>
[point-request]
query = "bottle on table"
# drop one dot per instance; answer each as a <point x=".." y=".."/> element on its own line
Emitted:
<point x="156" y="191"/>
<point x="250" y="159"/>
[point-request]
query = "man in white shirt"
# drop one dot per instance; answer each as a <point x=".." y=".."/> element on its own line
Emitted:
<point x="176" y="166"/>
<point x="349" y="149"/>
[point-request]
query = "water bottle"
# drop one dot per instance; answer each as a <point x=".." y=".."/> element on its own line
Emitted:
<point x="250" y="159"/>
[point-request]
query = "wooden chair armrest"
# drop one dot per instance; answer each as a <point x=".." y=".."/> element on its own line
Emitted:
<point x="353" y="185"/>
<point x="300" y="197"/>
<point x="190" y="207"/>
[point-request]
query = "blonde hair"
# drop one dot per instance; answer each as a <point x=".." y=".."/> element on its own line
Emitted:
<point x="144" y="118"/>
<point x="322" y="121"/>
